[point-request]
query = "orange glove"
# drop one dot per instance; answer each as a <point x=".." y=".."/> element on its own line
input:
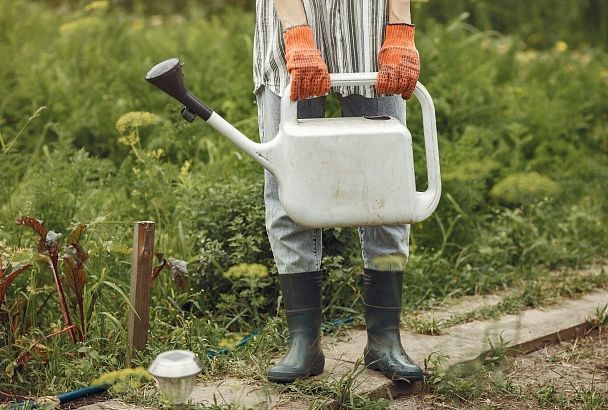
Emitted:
<point x="398" y="61"/>
<point x="309" y="74"/>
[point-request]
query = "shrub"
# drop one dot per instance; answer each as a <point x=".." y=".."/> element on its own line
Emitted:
<point x="524" y="189"/>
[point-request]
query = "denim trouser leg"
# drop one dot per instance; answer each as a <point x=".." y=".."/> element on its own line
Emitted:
<point x="295" y="248"/>
<point x="299" y="249"/>
<point x="383" y="247"/>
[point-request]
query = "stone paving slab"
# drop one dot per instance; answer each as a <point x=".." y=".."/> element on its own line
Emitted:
<point x="111" y="405"/>
<point x="465" y="304"/>
<point x="241" y="394"/>
<point x="458" y="344"/>
<point x="526" y="331"/>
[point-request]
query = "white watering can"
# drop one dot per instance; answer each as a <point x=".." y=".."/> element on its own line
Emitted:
<point x="332" y="172"/>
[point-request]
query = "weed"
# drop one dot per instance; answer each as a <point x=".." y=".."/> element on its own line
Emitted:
<point x="548" y="395"/>
<point x="591" y="398"/>
<point x="424" y="326"/>
<point x="434" y="370"/>
<point x="497" y="352"/>
<point x="600" y="319"/>
<point x="472" y="380"/>
<point x="338" y="391"/>
<point x="588" y="396"/>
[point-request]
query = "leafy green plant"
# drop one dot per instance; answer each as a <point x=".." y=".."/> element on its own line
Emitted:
<point x="248" y="282"/>
<point x="547" y="395"/>
<point x="524" y="189"/>
<point x="49" y="244"/>
<point x="424" y="326"/>
<point x="10" y="316"/>
<point x="6" y="278"/>
<point x="600" y="319"/>
<point x="74" y="275"/>
<point x="339" y="391"/>
<point x="125" y="379"/>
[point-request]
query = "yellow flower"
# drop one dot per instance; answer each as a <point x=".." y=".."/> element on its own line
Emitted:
<point x="137" y="25"/>
<point x="121" y="380"/>
<point x="504" y="45"/>
<point x="157" y="153"/>
<point x="135" y="119"/>
<point x="156" y="21"/>
<point x="185" y="169"/>
<point x="515" y="90"/>
<point x="525" y="57"/>
<point x="130" y="139"/>
<point x="560" y="46"/>
<point x="247" y="270"/>
<point x="99" y="5"/>
<point x="230" y="341"/>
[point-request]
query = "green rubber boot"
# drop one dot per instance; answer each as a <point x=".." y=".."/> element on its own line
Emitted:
<point x="384" y="352"/>
<point x="302" y="300"/>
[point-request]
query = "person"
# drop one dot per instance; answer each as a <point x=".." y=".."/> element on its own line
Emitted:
<point x="302" y="41"/>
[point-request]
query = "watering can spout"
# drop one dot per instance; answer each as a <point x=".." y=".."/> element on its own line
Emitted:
<point x="169" y="77"/>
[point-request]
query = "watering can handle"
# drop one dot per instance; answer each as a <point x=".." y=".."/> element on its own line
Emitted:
<point x="426" y="201"/>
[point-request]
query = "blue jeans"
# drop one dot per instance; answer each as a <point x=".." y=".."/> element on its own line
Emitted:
<point x="298" y="249"/>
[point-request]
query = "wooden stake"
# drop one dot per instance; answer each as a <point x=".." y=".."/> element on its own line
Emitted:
<point x="141" y="284"/>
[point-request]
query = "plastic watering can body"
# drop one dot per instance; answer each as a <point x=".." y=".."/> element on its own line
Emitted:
<point x="335" y="172"/>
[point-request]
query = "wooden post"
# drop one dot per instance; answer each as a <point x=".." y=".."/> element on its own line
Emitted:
<point x="141" y="284"/>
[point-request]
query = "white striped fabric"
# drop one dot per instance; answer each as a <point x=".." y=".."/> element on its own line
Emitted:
<point x="348" y="32"/>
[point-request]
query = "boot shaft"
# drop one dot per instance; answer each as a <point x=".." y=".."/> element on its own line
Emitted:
<point x="301" y="291"/>
<point x="382" y="289"/>
<point x="382" y="293"/>
<point x="302" y="301"/>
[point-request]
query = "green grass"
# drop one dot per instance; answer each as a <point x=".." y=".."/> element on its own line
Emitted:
<point x="503" y="109"/>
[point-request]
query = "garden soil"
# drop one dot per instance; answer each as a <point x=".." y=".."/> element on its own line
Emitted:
<point x="571" y="374"/>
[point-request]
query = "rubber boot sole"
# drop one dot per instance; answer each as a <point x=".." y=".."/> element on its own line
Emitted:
<point x="373" y="364"/>
<point x="315" y="370"/>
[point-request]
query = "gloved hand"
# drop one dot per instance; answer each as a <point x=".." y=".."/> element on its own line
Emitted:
<point x="398" y="61"/>
<point x="309" y="74"/>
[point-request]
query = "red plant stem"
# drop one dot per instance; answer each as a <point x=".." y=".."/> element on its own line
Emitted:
<point x="61" y="296"/>
<point x="58" y="332"/>
<point x="29" y="351"/>
<point x="14" y="322"/>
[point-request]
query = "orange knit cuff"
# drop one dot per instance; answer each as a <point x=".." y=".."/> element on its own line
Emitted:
<point x="399" y="34"/>
<point x="299" y="37"/>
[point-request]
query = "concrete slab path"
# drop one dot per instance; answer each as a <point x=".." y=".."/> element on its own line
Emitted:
<point x="463" y="343"/>
<point x="457" y="345"/>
